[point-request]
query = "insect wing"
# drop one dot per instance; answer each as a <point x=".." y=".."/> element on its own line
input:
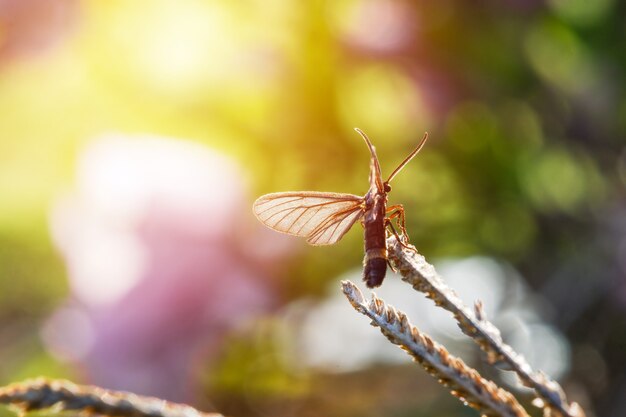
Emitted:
<point x="335" y="226"/>
<point x="323" y="218"/>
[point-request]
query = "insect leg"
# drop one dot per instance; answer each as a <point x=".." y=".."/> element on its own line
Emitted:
<point x="389" y="227"/>
<point x="397" y="212"/>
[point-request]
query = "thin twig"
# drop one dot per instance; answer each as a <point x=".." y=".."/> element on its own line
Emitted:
<point x="422" y="276"/>
<point x="61" y="395"/>
<point x="464" y="381"/>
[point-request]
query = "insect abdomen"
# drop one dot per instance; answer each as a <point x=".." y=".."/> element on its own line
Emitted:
<point x="375" y="267"/>
<point x="375" y="261"/>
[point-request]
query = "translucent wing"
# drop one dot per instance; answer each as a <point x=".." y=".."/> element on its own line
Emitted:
<point x="323" y="218"/>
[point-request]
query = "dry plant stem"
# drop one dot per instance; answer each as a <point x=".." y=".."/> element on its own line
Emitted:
<point x="60" y="395"/>
<point x="422" y="276"/>
<point x="464" y="382"/>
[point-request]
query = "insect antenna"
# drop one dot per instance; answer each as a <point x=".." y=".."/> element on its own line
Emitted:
<point x="375" y="172"/>
<point x="369" y="145"/>
<point x="408" y="158"/>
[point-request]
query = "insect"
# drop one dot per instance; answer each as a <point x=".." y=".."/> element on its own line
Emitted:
<point x="323" y="218"/>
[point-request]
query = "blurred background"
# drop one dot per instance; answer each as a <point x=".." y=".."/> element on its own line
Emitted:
<point x="134" y="137"/>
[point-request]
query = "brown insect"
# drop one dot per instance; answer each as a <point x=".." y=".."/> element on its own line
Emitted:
<point x="323" y="218"/>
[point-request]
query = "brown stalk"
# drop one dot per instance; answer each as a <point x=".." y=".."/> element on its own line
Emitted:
<point x="61" y="395"/>
<point x="463" y="381"/>
<point x="422" y="276"/>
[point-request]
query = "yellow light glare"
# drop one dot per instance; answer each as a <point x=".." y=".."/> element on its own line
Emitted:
<point x="174" y="46"/>
<point x="383" y="101"/>
<point x="182" y="44"/>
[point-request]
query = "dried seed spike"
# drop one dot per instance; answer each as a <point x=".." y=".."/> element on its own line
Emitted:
<point x="405" y="323"/>
<point x="415" y="334"/>
<point x="355" y="293"/>
<point x="422" y="277"/>
<point x="492" y="357"/>
<point x="479" y="311"/>
<point x="576" y="410"/>
<point x="390" y="317"/>
<point x="60" y="395"/>
<point x="450" y="371"/>
<point x="376" y="305"/>
<point x="429" y="344"/>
